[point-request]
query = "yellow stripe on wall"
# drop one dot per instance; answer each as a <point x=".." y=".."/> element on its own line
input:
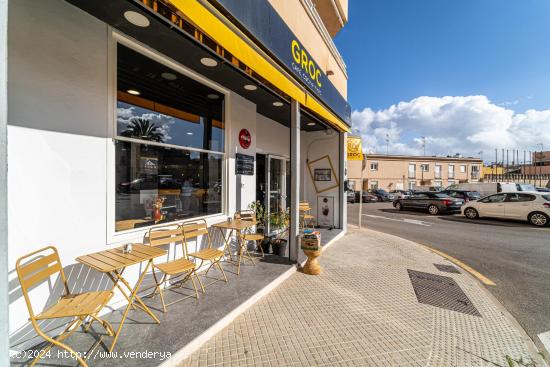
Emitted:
<point x="232" y="42"/>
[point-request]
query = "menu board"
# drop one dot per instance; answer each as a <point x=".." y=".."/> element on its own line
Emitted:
<point x="244" y="164"/>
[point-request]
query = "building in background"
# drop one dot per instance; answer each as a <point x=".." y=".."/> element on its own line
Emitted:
<point x="400" y="172"/>
<point x="124" y="115"/>
<point x="540" y="164"/>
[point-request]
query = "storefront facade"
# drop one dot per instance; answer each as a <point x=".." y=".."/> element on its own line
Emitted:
<point x="123" y="115"/>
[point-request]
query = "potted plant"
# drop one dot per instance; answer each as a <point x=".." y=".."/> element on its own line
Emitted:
<point x="279" y="223"/>
<point x="259" y="210"/>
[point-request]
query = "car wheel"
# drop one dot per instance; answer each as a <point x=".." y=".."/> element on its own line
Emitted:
<point x="398" y="206"/>
<point x="471" y="213"/>
<point x="433" y="210"/>
<point x="539" y="219"/>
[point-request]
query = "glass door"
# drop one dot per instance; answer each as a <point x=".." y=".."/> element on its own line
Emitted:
<point x="278" y="177"/>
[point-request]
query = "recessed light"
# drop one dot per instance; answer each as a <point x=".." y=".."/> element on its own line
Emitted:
<point x="189" y="133"/>
<point x="213" y="96"/>
<point x="250" y="87"/>
<point x="207" y="61"/>
<point x="311" y="124"/>
<point x="169" y="76"/>
<point x="134" y="92"/>
<point x="136" y="18"/>
<point x="277" y="104"/>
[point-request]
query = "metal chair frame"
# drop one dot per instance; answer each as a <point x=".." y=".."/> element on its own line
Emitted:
<point x="198" y="228"/>
<point x="250" y="234"/>
<point x="165" y="236"/>
<point x="37" y="270"/>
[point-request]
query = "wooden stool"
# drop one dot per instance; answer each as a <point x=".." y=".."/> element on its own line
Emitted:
<point x="312" y="266"/>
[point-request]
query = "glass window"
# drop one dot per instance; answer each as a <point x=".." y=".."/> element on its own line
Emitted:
<point x="425" y="167"/>
<point x="437" y="171"/>
<point x="462" y="168"/>
<point x="374" y="166"/>
<point x="520" y="197"/>
<point x="498" y="198"/>
<point x="412" y="170"/>
<point x="157" y="184"/>
<point x="546" y="197"/>
<point x="451" y="170"/>
<point x="169" y="144"/>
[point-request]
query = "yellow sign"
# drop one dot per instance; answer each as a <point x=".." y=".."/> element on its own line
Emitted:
<point x="355" y="150"/>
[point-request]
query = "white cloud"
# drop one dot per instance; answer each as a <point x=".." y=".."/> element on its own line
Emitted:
<point x="462" y="124"/>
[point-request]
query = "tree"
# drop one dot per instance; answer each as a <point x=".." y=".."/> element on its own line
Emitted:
<point x="143" y="129"/>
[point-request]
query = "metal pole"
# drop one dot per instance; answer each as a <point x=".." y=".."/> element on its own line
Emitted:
<point x="4" y="305"/>
<point x="363" y="165"/>
<point x="293" y="235"/>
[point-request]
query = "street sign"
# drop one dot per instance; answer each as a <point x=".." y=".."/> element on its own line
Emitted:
<point x="355" y="150"/>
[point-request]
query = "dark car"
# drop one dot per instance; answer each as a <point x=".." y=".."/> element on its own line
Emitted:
<point x="382" y="195"/>
<point x="353" y="197"/>
<point x="543" y="189"/>
<point x="465" y="195"/>
<point x="432" y="202"/>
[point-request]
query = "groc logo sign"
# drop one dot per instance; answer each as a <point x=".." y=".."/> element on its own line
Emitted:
<point x="245" y="139"/>
<point x="301" y="58"/>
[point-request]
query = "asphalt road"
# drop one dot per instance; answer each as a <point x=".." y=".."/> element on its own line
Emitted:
<point x="514" y="255"/>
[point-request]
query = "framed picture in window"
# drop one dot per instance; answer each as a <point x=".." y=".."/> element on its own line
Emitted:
<point x="322" y="174"/>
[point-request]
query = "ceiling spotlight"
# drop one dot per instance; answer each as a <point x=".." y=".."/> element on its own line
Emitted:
<point x="311" y="124"/>
<point x="189" y="133"/>
<point x="250" y="87"/>
<point x="207" y="61"/>
<point x="136" y="18"/>
<point x="213" y="96"/>
<point x="277" y="104"/>
<point x="169" y="76"/>
<point x="133" y="92"/>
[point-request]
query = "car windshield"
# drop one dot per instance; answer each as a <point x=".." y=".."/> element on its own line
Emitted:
<point x="440" y="195"/>
<point x="473" y="194"/>
<point x="526" y="187"/>
<point x="380" y="191"/>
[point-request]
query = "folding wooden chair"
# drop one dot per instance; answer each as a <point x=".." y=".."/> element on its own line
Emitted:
<point x="40" y="265"/>
<point x="162" y="236"/>
<point x="305" y="215"/>
<point x="213" y="255"/>
<point x="250" y="235"/>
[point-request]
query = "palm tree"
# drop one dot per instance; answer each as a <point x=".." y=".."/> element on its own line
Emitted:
<point x="143" y="129"/>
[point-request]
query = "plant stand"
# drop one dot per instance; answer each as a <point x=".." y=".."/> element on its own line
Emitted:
<point x="312" y="266"/>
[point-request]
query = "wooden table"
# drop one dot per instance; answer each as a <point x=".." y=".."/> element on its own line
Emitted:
<point x="237" y="225"/>
<point x="113" y="262"/>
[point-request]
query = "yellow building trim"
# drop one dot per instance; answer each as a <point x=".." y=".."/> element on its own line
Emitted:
<point x="236" y="45"/>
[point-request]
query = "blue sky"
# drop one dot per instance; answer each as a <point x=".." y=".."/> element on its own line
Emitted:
<point x="400" y="50"/>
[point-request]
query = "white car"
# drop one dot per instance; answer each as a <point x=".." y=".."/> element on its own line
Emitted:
<point x="531" y="206"/>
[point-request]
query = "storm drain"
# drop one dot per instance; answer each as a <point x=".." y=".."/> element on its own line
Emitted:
<point x="440" y="291"/>
<point x="447" y="268"/>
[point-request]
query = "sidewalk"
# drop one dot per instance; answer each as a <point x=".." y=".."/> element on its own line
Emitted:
<point x="363" y="311"/>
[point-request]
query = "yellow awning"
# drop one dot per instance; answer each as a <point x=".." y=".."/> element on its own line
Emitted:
<point x="234" y="43"/>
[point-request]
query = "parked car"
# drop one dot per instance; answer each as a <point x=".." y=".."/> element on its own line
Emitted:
<point x="543" y="189"/>
<point x="350" y="195"/>
<point x="463" y="194"/>
<point x="525" y="187"/>
<point x="430" y="201"/>
<point x="353" y="197"/>
<point x="485" y="188"/>
<point x="382" y="195"/>
<point x="533" y="207"/>
<point x="425" y="188"/>
<point x="399" y="194"/>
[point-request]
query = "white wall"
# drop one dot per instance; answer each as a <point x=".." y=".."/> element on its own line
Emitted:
<point x="57" y="101"/>
<point x="315" y="145"/>
<point x="273" y="138"/>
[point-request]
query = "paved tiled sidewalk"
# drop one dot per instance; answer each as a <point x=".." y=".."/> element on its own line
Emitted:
<point x="363" y="311"/>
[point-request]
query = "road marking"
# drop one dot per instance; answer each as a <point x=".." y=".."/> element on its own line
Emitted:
<point x="545" y="339"/>
<point x="483" y="279"/>
<point x="410" y="221"/>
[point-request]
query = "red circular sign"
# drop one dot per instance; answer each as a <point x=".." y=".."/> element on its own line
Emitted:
<point x="245" y="139"/>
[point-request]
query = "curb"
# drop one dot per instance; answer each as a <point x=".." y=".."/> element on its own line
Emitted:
<point x="200" y="340"/>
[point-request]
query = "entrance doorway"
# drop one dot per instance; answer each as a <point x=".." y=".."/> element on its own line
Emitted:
<point x="272" y="186"/>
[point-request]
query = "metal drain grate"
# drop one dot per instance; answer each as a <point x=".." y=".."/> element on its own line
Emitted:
<point x="447" y="268"/>
<point x="440" y="291"/>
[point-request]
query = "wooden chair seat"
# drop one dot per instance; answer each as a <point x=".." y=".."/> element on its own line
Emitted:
<point x="307" y="216"/>
<point x="208" y="254"/>
<point x="176" y="267"/>
<point x="80" y="304"/>
<point x="253" y="237"/>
